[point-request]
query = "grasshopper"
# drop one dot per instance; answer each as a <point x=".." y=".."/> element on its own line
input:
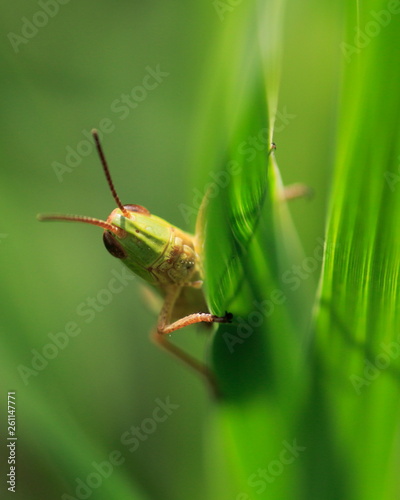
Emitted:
<point x="166" y="257"/>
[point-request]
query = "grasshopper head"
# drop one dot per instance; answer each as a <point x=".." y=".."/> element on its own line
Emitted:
<point x="160" y="253"/>
<point x="151" y="248"/>
<point x="127" y="226"/>
<point x="140" y="241"/>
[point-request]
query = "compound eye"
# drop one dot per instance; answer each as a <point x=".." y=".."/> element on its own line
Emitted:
<point x="137" y="208"/>
<point x="113" y="245"/>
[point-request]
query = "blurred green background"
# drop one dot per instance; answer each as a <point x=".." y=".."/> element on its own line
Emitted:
<point x="62" y="82"/>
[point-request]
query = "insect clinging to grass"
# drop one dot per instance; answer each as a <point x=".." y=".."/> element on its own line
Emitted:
<point x="166" y="257"/>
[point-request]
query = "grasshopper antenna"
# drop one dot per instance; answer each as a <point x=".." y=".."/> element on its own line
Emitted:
<point x="82" y="218"/>
<point x="91" y="220"/>
<point x="107" y="173"/>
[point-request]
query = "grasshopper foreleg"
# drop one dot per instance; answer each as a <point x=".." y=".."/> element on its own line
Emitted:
<point x="165" y="327"/>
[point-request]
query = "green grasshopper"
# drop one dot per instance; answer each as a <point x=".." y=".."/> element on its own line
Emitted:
<point x="166" y="257"/>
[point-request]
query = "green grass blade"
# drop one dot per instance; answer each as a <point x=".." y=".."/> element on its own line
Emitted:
<point x="250" y="246"/>
<point x="358" y="319"/>
<point x="249" y="238"/>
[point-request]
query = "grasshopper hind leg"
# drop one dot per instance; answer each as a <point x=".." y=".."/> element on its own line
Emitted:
<point x="297" y="190"/>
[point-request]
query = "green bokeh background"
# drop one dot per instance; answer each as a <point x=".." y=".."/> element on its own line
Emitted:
<point x="62" y="82"/>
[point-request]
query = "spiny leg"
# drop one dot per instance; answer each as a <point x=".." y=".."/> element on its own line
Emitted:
<point x="164" y="327"/>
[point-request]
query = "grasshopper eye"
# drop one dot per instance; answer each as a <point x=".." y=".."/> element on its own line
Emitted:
<point x="113" y="245"/>
<point x="137" y="208"/>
